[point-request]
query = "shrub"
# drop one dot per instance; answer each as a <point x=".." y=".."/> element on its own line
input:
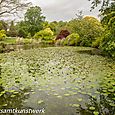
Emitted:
<point x="27" y="41"/>
<point x="70" y="40"/>
<point x="62" y="41"/>
<point x="108" y="44"/>
<point x="88" y="28"/>
<point x="45" y="34"/>
<point x="97" y="42"/>
<point x="73" y="39"/>
<point x="22" y="33"/>
<point x="62" y="34"/>
<point x="2" y="35"/>
<point x="58" y="42"/>
<point x="2" y="47"/>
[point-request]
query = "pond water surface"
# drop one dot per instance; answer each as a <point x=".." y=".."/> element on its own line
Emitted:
<point x="60" y="80"/>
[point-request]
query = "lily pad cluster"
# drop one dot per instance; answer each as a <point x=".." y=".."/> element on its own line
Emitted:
<point x="61" y="72"/>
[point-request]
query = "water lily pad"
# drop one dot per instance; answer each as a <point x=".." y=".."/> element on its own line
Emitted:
<point x="13" y="95"/>
<point x="59" y="96"/>
<point x="96" y="113"/>
<point x="15" y="92"/>
<point x="4" y="105"/>
<point x="92" y="108"/>
<point x="112" y="104"/>
<point x="67" y="94"/>
<point x="74" y="105"/>
<point x="33" y="92"/>
<point x="80" y="99"/>
<point x="55" y="94"/>
<point x="27" y="93"/>
<point x="40" y="101"/>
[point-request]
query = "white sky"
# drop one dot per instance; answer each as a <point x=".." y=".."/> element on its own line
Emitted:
<point x="64" y="9"/>
<point x="61" y="9"/>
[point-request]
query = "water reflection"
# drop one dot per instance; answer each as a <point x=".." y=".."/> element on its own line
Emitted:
<point x="12" y="99"/>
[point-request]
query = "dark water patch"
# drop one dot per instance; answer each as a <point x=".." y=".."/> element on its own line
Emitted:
<point x="91" y="51"/>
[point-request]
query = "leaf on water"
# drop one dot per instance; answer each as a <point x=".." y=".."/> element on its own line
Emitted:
<point x="4" y="104"/>
<point x="3" y="92"/>
<point x="22" y="88"/>
<point x="84" y="93"/>
<point x="27" y="93"/>
<point x="96" y="113"/>
<point x="55" y="94"/>
<point x="59" y="96"/>
<point x="113" y="98"/>
<point x="94" y="97"/>
<point x="80" y="99"/>
<point x="97" y="92"/>
<point x="73" y="93"/>
<point x="40" y="89"/>
<point x="92" y="108"/>
<point x="63" y="88"/>
<point x="67" y="94"/>
<point x="112" y="104"/>
<point x="74" y="105"/>
<point x="33" y="92"/>
<point x="1" y="95"/>
<point x="40" y="101"/>
<point x="16" y="92"/>
<point x="13" y="95"/>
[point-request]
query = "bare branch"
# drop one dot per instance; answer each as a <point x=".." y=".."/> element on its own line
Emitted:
<point x="12" y="6"/>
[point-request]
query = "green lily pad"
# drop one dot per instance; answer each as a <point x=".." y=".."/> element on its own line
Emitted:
<point x="92" y="108"/>
<point x="80" y="99"/>
<point x="112" y="104"/>
<point x="59" y="96"/>
<point x="74" y="105"/>
<point x="96" y="113"/>
<point x="40" y="101"/>
<point x="13" y="95"/>
<point x="4" y="105"/>
<point x="67" y="94"/>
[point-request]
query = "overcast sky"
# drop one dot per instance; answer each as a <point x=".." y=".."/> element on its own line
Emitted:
<point x="64" y="9"/>
<point x="61" y="9"/>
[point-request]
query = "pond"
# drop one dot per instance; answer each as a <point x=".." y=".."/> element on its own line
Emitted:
<point x="60" y="80"/>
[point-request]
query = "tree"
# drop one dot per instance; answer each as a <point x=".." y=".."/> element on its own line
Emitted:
<point x="88" y="28"/>
<point x="34" y="20"/>
<point x="12" y="6"/>
<point x="2" y="35"/>
<point x="12" y="30"/>
<point x="63" y="34"/>
<point x="22" y="29"/>
<point x="79" y="14"/>
<point x="45" y="34"/>
<point x="104" y="3"/>
<point x="3" y="25"/>
<point x="108" y="40"/>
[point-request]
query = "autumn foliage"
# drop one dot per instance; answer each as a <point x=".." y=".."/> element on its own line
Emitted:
<point x="62" y="34"/>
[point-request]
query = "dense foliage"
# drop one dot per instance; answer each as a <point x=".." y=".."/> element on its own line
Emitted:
<point x="45" y="34"/>
<point x="70" y="40"/>
<point x="34" y="20"/>
<point x="88" y="28"/>
<point x="108" y="38"/>
<point x="12" y="32"/>
<point x="63" y="34"/>
<point x="3" y="25"/>
<point x="2" y="35"/>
